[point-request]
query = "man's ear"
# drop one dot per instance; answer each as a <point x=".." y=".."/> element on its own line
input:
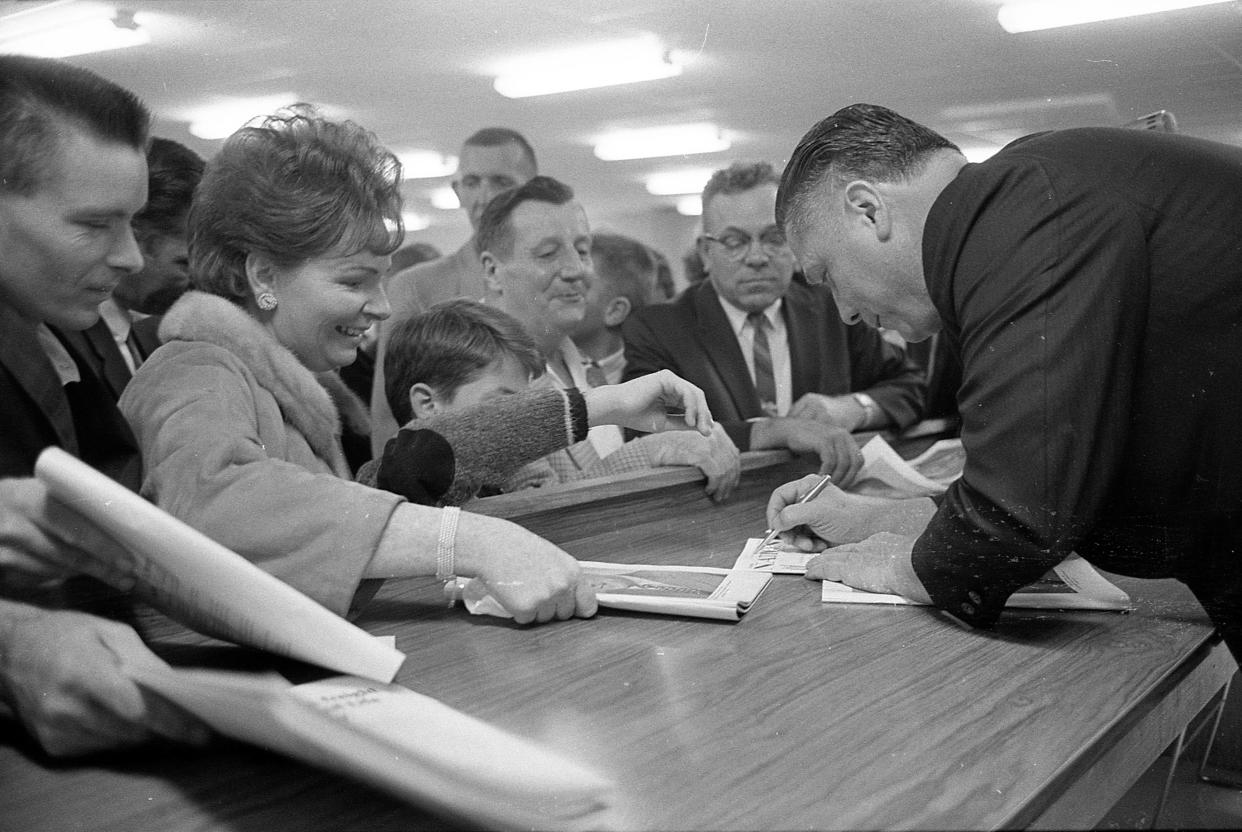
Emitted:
<point x="423" y="400"/>
<point x="864" y="203"/>
<point x="700" y="247"/>
<point x="260" y="273"/>
<point x="490" y="279"/>
<point x="616" y="311"/>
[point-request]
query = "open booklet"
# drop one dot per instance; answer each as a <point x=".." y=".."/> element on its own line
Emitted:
<point x="187" y="575"/>
<point x="402" y="742"/>
<point x="1073" y="584"/>
<point x="695" y="591"/>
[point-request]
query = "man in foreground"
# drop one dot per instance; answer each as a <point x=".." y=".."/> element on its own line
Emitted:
<point x="1092" y="279"/>
<point x="72" y="176"/>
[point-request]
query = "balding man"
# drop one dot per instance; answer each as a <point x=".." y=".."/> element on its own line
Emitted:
<point x="493" y="160"/>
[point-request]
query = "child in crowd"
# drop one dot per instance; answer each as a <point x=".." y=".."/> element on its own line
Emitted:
<point x="460" y="375"/>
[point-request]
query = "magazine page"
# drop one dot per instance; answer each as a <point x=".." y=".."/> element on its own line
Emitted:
<point x="407" y="744"/>
<point x="694" y="591"/>
<point x="188" y="576"/>
<point x="777" y="557"/>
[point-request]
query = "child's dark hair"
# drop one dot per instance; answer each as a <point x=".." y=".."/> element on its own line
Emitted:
<point x="446" y="346"/>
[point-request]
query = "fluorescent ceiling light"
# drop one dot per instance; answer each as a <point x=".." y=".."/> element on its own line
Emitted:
<point x="587" y="67"/>
<point x="671" y="183"/>
<point x="1033" y="15"/>
<point x="425" y="164"/>
<point x="445" y="199"/>
<point x="690" y="206"/>
<point x="414" y="221"/>
<point x="672" y="140"/>
<point x="59" y="30"/>
<point x="221" y="120"/>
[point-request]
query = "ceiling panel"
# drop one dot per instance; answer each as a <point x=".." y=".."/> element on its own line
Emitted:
<point x="765" y="70"/>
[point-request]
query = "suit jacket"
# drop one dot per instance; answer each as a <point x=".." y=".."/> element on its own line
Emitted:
<point x="145" y="332"/>
<point x="1092" y="279"/>
<point x="97" y="346"/>
<point x="36" y="411"/>
<point x="692" y="337"/>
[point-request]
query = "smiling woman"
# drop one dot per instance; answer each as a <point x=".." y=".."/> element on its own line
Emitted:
<point x="239" y="414"/>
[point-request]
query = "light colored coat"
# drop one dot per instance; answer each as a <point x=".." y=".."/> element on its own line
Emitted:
<point x="242" y="442"/>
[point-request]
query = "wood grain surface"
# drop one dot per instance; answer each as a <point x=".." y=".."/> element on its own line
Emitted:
<point x="802" y="715"/>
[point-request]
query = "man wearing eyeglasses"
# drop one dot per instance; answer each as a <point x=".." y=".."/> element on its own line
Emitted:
<point x="778" y="365"/>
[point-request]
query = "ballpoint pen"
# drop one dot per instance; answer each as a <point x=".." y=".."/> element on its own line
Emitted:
<point x="810" y="495"/>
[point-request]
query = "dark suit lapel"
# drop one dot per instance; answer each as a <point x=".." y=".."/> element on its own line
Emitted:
<point x="98" y="348"/>
<point x="719" y="344"/>
<point x="23" y="357"/>
<point x="802" y="324"/>
<point x="145" y="333"/>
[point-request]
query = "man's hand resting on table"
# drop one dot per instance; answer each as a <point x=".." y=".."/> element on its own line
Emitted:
<point x="837" y="451"/>
<point x="716" y="456"/>
<point x="881" y="563"/>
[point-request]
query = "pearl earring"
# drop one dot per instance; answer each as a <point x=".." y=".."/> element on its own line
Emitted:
<point x="266" y="301"/>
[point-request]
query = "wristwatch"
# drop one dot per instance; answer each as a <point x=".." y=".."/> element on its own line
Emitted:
<point x="871" y="410"/>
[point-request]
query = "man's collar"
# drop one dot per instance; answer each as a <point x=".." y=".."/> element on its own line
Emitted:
<point x="119" y="320"/>
<point x="56" y="352"/>
<point x="737" y="318"/>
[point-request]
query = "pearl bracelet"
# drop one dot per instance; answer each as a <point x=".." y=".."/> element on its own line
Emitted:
<point x="444" y="546"/>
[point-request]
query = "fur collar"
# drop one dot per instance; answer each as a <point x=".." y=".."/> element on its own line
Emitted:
<point x="312" y="403"/>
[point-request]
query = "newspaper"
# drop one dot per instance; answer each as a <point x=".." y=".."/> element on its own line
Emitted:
<point x="188" y="576"/>
<point x="402" y="742"/>
<point x="694" y="591"/>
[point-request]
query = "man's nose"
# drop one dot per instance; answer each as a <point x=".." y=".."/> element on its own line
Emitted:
<point x="756" y="253"/>
<point x="573" y="267"/>
<point x="125" y="254"/>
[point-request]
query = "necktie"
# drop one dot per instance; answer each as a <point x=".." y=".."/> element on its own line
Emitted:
<point x="134" y="352"/>
<point x="765" y="381"/>
<point x="595" y="374"/>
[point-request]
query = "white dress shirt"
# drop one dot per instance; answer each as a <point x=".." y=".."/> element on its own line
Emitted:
<point x="604" y="438"/>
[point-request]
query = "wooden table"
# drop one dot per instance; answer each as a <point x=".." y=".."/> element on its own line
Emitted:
<point x="802" y="715"/>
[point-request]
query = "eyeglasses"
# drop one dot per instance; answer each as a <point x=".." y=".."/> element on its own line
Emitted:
<point x="737" y="243"/>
